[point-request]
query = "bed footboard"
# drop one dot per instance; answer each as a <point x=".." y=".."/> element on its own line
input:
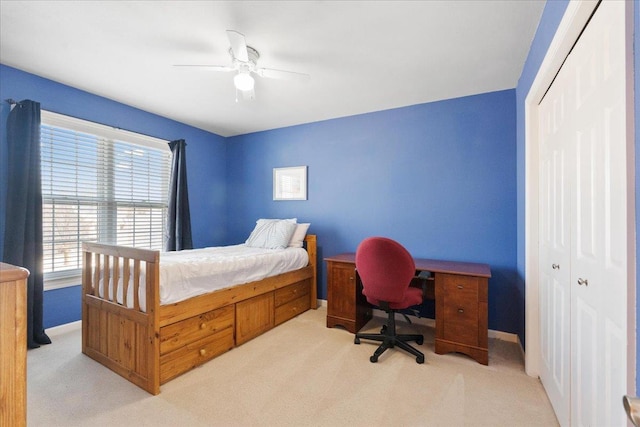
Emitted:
<point x="116" y="331"/>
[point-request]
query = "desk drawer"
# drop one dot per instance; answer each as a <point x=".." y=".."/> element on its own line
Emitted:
<point x="194" y="328"/>
<point x="461" y="324"/>
<point x="460" y="309"/>
<point x="457" y="286"/>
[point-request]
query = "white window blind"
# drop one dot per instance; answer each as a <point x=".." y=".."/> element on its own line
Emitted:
<point x="99" y="184"/>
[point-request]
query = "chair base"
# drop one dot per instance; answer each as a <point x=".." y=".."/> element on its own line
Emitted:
<point x="390" y="339"/>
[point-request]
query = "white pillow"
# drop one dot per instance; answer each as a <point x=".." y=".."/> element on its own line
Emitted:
<point x="271" y="234"/>
<point x="298" y="235"/>
<point x="277" y="219"/>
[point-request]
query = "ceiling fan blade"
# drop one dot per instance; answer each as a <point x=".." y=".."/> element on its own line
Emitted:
<point x="208" y="67"/>
<point x="238" y="45"/>
<point x="281" y="74"/>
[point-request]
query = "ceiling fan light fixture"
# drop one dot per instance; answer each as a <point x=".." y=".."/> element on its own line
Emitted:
<point x="243" y="81"/>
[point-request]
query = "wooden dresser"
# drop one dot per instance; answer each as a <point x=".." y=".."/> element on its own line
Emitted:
<point x="13" y="345"/>
<point x="461" y="295"/>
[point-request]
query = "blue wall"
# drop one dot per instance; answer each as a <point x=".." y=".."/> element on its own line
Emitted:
<point x="438" y="177"/>
<point x="62" y="306"/>
<point x="206" y="155"/>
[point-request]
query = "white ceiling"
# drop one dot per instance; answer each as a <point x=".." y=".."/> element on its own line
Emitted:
<point x="362" y="56"/>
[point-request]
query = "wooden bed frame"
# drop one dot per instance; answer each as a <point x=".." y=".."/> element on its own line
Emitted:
<point x="154" y="346"/>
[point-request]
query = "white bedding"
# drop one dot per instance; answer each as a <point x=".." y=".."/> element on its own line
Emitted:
<point x="188" y="273"/>
<point x="185" y="274"/>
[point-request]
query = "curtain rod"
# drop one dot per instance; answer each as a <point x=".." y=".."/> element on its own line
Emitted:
<point x="12" y="101"/>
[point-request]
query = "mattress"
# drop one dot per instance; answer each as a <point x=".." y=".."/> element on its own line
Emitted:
<point x="189" y="273"/>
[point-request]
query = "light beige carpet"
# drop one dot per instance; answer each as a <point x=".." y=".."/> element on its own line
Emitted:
<point x="300" y="373"/>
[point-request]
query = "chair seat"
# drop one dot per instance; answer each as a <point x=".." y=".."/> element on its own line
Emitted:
<point x="412" y="296"/>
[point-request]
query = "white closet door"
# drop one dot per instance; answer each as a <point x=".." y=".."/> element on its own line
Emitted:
<point x="555" y="242"/>
<point x="599" y="203"/>
<point x="583" y="227"/>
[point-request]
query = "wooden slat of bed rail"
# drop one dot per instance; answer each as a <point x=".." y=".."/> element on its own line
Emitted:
<point x="125" y="281"/>
<point x="136" y="285"/>
<point x="96" y="274"/>
<point x="106" y="276"/>
<point x="114" y="281"/>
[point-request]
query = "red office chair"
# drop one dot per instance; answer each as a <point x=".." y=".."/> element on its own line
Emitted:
<point x="386" y="268"/>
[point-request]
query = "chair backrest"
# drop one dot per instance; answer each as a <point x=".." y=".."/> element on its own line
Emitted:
<point x="385" y="268"/>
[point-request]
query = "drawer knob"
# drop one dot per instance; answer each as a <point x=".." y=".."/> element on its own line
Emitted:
<point x="555" y="266"/>
<point x="203" y="352"/>
<point x="460" y="287"/>
<point x="582" y="281"/>
<point x="461" y="310"/>
<point x="203" y="325"/>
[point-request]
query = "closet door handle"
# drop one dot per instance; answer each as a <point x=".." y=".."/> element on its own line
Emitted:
<point x="583" y="282"/>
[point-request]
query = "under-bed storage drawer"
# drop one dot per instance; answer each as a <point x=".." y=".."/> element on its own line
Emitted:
<point x="194" y="354"/>
<point x="177" y="335"/>
<point x="292" y="292"/>
<point x="291" y="301"/>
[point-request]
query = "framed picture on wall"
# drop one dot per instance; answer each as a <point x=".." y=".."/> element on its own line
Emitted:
<point x="290" y="183"/>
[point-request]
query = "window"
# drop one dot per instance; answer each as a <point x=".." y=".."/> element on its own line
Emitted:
<point x="99" y="184"/>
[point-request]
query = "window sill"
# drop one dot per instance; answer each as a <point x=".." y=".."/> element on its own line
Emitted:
<point x="62" y="282"/>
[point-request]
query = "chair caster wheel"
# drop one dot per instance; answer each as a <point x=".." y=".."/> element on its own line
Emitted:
<point x="373" y="359"/>
<point x="383" y="330"/>
<point x="420" y="359"/>
<point x="420" y="341"/>
<point x="356" y="340"/>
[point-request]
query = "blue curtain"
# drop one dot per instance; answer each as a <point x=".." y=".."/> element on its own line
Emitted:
<point x="178" y="231"/>
<point x="23" y="223"/>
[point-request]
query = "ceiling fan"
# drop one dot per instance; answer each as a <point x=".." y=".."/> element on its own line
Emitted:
<point x="245" y="62"/>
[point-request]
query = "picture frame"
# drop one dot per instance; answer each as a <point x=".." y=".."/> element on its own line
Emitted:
<point x="290" y="183"/>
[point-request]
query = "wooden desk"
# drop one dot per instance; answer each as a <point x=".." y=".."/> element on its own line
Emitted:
<point x="461" y="294"/>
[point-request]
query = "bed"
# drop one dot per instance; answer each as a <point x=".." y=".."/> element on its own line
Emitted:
<point x="127" y="329"/>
